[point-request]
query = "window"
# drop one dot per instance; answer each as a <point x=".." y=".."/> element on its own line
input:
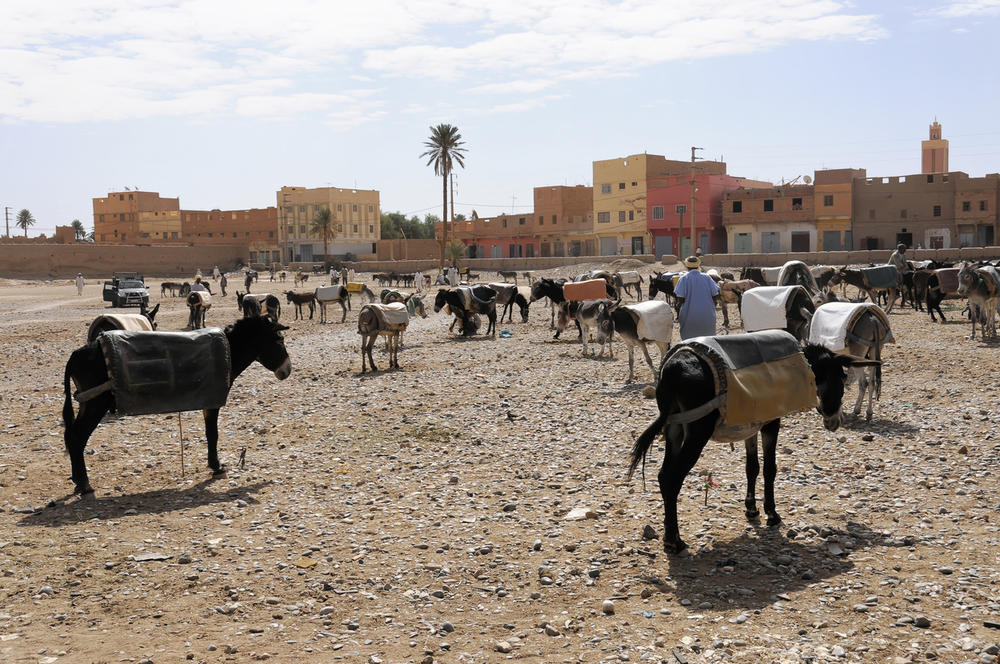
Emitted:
<point x="828" y="200"/>
<point x="234" y="233"/>
<point x="521" y="221"/>
<point x="371" y="228"/>
<point x="209" y="235"/>
<point x="503" y="223"/>
<point x="871" y="213"/>
<point x="605" y="188"/>
<point x="173" y="234"/>
<point x="370" y="208"/>
<point x="635" y="184"/>
<point x="737" y="206"/>
<point x="768" y="205"/>
<point x="132" y="198"/>
<point x="631" y="215"/>
<point x="355" y="225"/>
<point x="621" y="215"/>
<point x="902" y="213"/>
<point x="657" y="213"/>
<point x="144" y="234"/>
<point x="983" y="207"/>
<point x="541" y="220"/>
<point x="102" y="217"/>
<point x="123" y="237"/>
<point x="930" y="178"/>
<point x="966" y="206"/>
<point x="354" y="207"/>
<point x="603" y="217"/>
<point x="340" y="206"/>
<point x="621" y="185"/>
<point x="340" y="228"/>
<point x="302" y="208"/>
<point x="270" y="233"/>
<point x="302" y="230"/>
<point x="553" y="220"/>
<point x="937" y="210"/>
<point x="121" y="197"/>
<point x="796" y="203"/>
<point x="102" y="237"/>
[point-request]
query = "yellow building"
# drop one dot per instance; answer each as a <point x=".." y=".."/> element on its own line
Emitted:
<point x="356" y="216"/>
<point x="833" y="207"/>
<point x="160" y="226"/>
<point x="620" y="198"/>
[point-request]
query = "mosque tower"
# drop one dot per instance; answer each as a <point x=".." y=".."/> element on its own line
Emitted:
<point x="934" y="152"/>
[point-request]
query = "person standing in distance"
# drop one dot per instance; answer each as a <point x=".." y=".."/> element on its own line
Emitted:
<point x="79" y="283"/>
<point x="697" y="294"/>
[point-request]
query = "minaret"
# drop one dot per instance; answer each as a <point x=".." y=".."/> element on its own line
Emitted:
<point x="934" y="152"/>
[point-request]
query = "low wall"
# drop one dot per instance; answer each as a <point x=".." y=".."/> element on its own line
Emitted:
<point x="487" y="264"/>
<point x="98" y="261"/>
<point x="849" y="257"/>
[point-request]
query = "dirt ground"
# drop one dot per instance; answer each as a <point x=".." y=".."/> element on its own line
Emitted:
<point x="429" y="514"/>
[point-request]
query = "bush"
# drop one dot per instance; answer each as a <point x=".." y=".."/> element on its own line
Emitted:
<point x="350" y="257"/>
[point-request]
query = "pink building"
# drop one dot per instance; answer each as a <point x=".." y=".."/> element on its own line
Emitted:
<point x="664" y="196"/>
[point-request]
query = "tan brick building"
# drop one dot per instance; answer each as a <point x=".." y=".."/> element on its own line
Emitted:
<point x="357" y="226"/>
<point x="769" y="220"/>
<point x="564" y="220"/>
<point x="257" y="228"/>
<point x="833" y="191"/>
<point x="137" y="217"/>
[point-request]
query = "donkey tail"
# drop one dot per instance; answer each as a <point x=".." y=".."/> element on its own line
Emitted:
<point x="878" y="358"/>
<point x="643" y="442"/>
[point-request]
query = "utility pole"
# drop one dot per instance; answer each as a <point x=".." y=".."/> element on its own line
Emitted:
<point x="693" y="158"/>
<point x="7" y="216"/>
<point x="680" y="210"/>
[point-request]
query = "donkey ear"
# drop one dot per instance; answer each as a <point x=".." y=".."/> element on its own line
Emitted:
<point x="855" y="361"/>
<point x="281" y="328"/>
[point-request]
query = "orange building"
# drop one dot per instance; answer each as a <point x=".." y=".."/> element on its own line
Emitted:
<point x="136" y="217"/>
<point x="934" y="152"/>
<point x="257" y="228"/>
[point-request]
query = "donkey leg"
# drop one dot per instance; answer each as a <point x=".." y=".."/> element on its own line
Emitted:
<point x="862" y="376"/>
<point x="752" y="470"/>
<point x="77" y="435"/>
<point x="631" y="363"/>
<point x="769" y="438"/>
<point x="684" y="445"/>
<point x="344" y="310"/>
<point x="212" y="436"/>
<point x="872" y="388"/>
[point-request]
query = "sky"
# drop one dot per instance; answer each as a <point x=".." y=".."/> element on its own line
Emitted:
<point x="221" y="103"/>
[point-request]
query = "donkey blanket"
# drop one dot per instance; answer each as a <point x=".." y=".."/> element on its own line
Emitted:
<point x="354" y="286"/>
<point x="206" y="299"/>
<point x="128" y="322"/>
<point x="765" y="307"/>
<point x="505" y="291"/>
<point x="656" y="320"/>
<point x="630" y="277"/>
<point x="393" y="316"/>
<point x="880" y="276"/>
<point x="948" y="279"/>
<point x="329" y="293"/>
<point x="166" y="372"/>
<point x="771" y="275"/>
<point x="831" y="322"/>
<point x="759" y="377"/>
<point x="592" y="289"/>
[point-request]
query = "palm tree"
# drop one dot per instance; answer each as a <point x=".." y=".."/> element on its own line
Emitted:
<point x="78" y="230"/>
<point x="444" y="149"/>
<point x="322" y="224"/>
<point x="455" y="251"/>
<point x="24" y="220"/>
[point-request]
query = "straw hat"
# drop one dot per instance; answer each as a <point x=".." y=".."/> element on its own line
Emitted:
<point x="692" y="262"/>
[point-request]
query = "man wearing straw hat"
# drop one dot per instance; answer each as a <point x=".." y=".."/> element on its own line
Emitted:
<point x="697" y="294"/>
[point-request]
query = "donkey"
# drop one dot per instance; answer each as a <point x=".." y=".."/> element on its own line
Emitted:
<point x="508" y="275"/>
<point x="301" y="277"/>
<point x="372" y="322"/>
<point x="981" y="285"/>
<point x="298" y="299"/>
<point x="198" y="303"/>
<point x="643" y="323"/>
<point x="483" y="301"/>
<point x="250" y="339"/>
<point x="266" y="303"/>
<point x="630" y="280"/>
<point x="663" y="282"/>
<point x="592" y="314"/>
<point x="174" y="287"/>
<point x="508" y="296"/>
<point x="855" y="277"/>
<point x="328" y="294"/>
<point x="687" y="383"/>
<point x="552" y="289"/>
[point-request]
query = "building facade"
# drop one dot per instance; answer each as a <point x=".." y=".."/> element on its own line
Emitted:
<point x="356" y="215"/>
<point x="257" y="228"/>
<point x="669" y="213"/>
<point x="137" y="217"/>
<point x="564" y="218"/>
<point x="833" y="193"/>
<point x="770" y="220"/>
<point x="503" y="236"/>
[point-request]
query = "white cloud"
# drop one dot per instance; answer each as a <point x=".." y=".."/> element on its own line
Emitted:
<point x="93" y="60"/>
<point x="965" y="9"/>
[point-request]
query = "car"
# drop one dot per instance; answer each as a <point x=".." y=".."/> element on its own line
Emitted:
<point x="126" y="289"/>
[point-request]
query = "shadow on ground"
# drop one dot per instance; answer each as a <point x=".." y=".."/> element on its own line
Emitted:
<point x="72" y="510"/>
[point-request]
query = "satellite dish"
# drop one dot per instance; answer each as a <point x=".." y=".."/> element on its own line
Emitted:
<point x="807" y="179"/>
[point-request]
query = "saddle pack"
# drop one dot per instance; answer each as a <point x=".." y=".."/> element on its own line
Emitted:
<point x="166" y="372"/>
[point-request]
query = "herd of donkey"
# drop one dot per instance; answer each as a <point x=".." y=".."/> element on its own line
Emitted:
<point x="801" y="345"/>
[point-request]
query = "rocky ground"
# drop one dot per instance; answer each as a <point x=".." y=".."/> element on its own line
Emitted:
<point x="473" y="507"/>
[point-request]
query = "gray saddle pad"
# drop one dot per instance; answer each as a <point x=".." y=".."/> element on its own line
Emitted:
<point x="166" y="372"/>
<point x="881" y="276"/>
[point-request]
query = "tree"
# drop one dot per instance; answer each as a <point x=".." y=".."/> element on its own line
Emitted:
<point x="444" y="150"/>
<point x="24" y="220"/>
<point x="322" y="224"/>
<point x="78" y="230"/>
<point x="455" y="251"/>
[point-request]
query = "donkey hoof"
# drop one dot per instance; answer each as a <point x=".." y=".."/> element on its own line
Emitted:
<point x="773" y="520"/>
<point x="220" y="471"/>
<point x="675" y="546"/>
<point x="753" y="515"/>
